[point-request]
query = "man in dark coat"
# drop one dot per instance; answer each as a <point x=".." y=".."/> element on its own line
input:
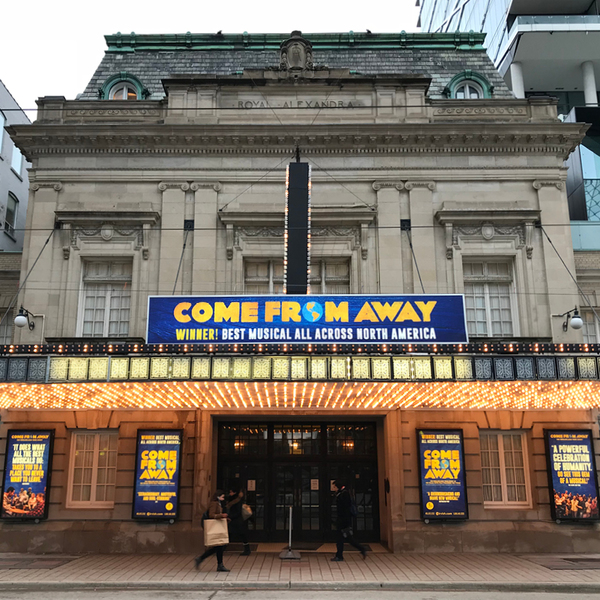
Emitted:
<point x="238" y="526"/>
<point x="343" y="524"/>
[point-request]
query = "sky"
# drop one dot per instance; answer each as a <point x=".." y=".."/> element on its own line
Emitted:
<point x="52" y="48"/>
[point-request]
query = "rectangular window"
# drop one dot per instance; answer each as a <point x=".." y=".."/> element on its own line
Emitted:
<point x="263" y="276"/>
<point x="590" y="327"/>
<point x="6" y="327"/>
<point x="106" y="298"/>
<point x="327" y="276"/>
<point x="12" y="208"/>
<point x="93" y="470"/>
<point x="2" y="123"/>
<point x="504" y="469"/>
<point x="16" y="161"/>
<point x="489" y="299"/>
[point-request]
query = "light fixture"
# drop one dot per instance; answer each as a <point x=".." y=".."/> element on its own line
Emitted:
<point x="574" y="317"/>
<point x="25" y="318"/>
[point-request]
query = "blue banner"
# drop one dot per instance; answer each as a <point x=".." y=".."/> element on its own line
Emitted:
<point x="572" y="475"/>
<point x="157" y="468"/>
<point x="438" y="319"/>
<point x="26" y="475"/>
<point x="442" y="474"/>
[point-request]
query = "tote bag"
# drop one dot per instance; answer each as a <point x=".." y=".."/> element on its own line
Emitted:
<point x="215" y="532"/>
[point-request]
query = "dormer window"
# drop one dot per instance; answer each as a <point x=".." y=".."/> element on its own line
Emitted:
<point x="468" y="85"/>
<point x="468" y="90"/>
<point x="123" y="86"/>
<point x="123" y="91"/>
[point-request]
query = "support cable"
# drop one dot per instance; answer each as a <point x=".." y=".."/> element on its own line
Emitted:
<point x="185" y="237"/>
<point x="583" y="295"/>
<point x="406" y="227"/>
<point x="14" y="299"/>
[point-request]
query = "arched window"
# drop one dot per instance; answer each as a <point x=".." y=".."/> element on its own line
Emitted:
<point x="469" y="85"/>
<point x="123" y="86"/>
<point x="123" y="91"/>
<point x="468" y="90"/>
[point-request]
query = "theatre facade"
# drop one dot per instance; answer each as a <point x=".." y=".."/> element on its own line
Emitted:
<point x="432" y="366"/>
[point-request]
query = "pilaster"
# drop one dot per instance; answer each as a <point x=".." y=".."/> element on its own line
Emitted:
<point x="562" y="292"/>
<point x="389" y="242"/>
<point x="171" y="234"/>
<point x="205" y="260"/>
<point x="422" y="233"/>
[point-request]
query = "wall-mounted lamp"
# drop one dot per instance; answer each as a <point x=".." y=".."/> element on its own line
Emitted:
<point x="25" y="318"/>
<point x="574" y="317"/>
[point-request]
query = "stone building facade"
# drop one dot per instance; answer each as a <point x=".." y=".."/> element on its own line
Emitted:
<point x="167" y="176"/>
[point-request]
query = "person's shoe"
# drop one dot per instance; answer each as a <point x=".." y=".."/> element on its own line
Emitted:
<point x="246" y="551"/>
<point x="364" y="554"/>
<point x="222" y="569"/>
<point x="337" y="559"/>
<point x="198" y="561"/>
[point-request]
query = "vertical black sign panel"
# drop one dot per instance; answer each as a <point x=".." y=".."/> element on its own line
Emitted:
<point x="572" y="475"/>
<point x="297" y="249"/>
<point x="27" y="475"/>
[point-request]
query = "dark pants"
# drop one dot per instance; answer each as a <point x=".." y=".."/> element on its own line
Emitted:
<point x="218" y="550"/>
<point x="349" y="538"/>
<point x="238" y="531"/>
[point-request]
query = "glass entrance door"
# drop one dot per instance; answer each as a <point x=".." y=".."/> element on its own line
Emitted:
<point x="292" y="464"/>
<point x="298" y="486"/>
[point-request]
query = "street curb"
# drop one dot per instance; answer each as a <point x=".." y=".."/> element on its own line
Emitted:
<point x="408" y="586"/>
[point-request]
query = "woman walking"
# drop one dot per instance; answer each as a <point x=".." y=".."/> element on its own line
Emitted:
<point x="215" y="511"/>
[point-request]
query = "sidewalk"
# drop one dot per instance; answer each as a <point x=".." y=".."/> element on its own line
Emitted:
<point x="262" y="570"/>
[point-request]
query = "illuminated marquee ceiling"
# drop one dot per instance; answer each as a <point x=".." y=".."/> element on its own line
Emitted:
<point x="277" y="396"/>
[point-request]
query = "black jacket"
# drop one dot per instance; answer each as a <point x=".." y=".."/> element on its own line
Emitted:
<point x="344" y="515"/>
<point x="234" y="507"/>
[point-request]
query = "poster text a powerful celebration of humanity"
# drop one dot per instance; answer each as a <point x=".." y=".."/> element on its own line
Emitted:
<point x="26" y="475"/>
<point x="442" y="471"/>
<point x="572" y="475"/>
<point x="158" y="457"/>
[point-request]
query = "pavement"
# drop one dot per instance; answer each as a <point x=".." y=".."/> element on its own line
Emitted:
<point x="550" y="573"/>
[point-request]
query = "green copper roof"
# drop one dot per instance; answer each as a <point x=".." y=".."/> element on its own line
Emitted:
<point x="271" y="41"/>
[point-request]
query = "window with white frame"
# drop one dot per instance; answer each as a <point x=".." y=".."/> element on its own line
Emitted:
<point x="468" y="90"/>
<point x="124" y="90"/>
<point x="16" y="162"/>
<point x="6" y="327"/>
<point x="93" y="469"/>
<point x="12" y="208"/>
<point x="327" y="276"/>
<point x="106" y="298"/>
<point x="489" y="298"/>
<point x="591" y="327"/>
<point x="504" y="469"/>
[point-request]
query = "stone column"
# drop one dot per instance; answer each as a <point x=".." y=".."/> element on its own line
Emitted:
<point x="171" y="234"/>
<point x="589" y="83"/>
<point x="205" y="260"/>
<point x="389" y="241"/>
<point x="562" y="291"/>
<point x="422" y="235"/>
<point x="518" y="84"/>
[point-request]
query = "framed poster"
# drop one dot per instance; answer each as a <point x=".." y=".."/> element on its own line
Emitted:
<point x="572" y="475"/>
<point x="157" y="472"/>
<point x="442" y="474"/>
<point x="26" y="479"/>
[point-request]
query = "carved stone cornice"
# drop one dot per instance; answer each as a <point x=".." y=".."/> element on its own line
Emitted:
<point x="360" y="138"/>
<point x="411" y="185"/>
<point x="538" y="184"/>
<point x="57" y="186"/>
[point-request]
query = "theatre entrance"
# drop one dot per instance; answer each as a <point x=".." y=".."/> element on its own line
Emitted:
<point x="293" y="464"/>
